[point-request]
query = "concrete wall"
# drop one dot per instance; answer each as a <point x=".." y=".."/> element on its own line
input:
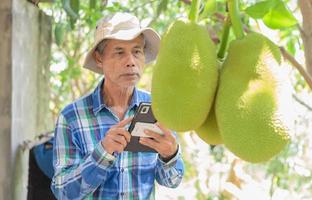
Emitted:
<point x="31" y="53"/>
<point x="24" y="94"/>
<point x="44" y="116"/>
<point x="24" y="69"/>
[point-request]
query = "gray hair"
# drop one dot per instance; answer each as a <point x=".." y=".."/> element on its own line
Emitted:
<point x="101" y="46"/>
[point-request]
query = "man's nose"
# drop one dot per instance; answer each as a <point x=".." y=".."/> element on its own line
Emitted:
<point x="130" y="61"/>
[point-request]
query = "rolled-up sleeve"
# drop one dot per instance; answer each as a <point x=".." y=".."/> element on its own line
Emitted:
<point x="170" y="173"/>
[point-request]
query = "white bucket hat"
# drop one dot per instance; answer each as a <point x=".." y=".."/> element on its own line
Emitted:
<point x="122" y="26"/>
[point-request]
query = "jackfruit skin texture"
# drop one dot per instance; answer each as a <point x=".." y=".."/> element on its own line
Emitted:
<point x="184" y="77"/>
<point x="247" y="101"/>
<point x="209" y="131"/>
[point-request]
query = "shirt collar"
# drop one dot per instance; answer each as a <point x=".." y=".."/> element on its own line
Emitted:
<point x="98" y="101"/>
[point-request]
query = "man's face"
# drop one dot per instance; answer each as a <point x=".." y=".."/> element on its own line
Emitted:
<point x="122" y="62"/>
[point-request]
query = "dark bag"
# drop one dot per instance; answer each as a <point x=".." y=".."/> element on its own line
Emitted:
<point x="40" y="172"/>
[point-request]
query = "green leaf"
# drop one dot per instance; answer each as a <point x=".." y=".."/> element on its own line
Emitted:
<point x="279" y="17"/>
<point x="259" y="10"/>
<point x="71" y="8"/>
<point x="75" y="5"/>
<point x="59" y="33"/>
<point x="291" y="47"/>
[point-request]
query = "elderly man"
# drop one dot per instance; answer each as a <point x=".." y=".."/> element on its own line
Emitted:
<point x="91" y="133"/>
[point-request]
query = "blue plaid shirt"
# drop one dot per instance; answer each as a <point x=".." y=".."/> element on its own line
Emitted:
<point x="84" y="170"/>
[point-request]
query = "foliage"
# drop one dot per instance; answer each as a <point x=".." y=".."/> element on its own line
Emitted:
<point x="207" y="167"/>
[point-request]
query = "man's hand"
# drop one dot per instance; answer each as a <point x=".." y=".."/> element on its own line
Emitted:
<point x="165" y="144"/>
<point x="117" y="137"/>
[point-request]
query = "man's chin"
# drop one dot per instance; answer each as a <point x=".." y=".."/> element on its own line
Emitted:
<point x="130" y="83"/>
<point x="130" y="80"/>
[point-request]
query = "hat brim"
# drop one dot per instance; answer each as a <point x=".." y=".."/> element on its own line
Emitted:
<point x="152" y="42"/>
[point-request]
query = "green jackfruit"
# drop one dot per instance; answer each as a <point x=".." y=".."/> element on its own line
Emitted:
<point x="184" y="77"/>
<point x="247" y="103"/>
<point x="209" y="131"/>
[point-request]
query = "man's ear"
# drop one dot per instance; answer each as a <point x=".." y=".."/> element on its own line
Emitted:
<point x="98" y="59"/>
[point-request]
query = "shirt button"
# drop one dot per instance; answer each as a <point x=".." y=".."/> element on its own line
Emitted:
<point x="122" y="194"/>
<point x="122" y="169"/>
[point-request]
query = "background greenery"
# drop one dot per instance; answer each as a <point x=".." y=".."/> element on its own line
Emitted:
<point x="212" y="172"/>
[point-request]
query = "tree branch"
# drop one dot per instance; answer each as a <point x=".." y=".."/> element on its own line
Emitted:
<point x="306" y="31"/>
<point x="301" y="102"/>
<point x="297" y="65"/>
<point x="285" y="54"/>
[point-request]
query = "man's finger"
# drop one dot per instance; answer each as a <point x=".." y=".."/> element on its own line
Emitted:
<point x="120" y="139"/>
<point x="124" y="122"/>
<point x="117" y="145"/>
<point x="149" y="142"/>
<point x="124" y="133"/>
<point x="153" y="134"/>
<point x="166" y="131"/>
<point x="120" y="148"/>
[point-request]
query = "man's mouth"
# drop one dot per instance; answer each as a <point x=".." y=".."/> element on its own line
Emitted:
<point x="130" y="74"/>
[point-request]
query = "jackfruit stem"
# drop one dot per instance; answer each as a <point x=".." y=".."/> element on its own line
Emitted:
<point x="193" y="16"/>
<point x="225" y="37"/>
<point x="237" y="25"/>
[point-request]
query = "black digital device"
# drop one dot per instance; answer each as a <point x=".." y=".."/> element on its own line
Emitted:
<point x="143" y="119"/>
